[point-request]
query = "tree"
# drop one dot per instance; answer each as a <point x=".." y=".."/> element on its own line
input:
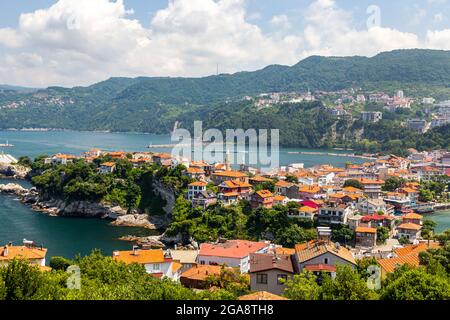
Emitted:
<point x="291" y="179"/>
<point x="293" y="235"/>
<point x="415" y="284"/>
<point x="21" y="280"/>
<point x="425" y="195"/>
<point x="348" y="285"/>
<point x="342" y="234"/>
<point x="382" y="235"/>
<point x="25" y="161"/>
<point x="60" y="263"/>
<point x="362" y="265"/>
<point x="302" y="287"/>
<point x="392" y="184"/>
<point x="354" y="183"/>
<point x="428" y="227"/>
<point x="133" y="195"/>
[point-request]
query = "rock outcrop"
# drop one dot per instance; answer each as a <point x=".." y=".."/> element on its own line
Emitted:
<point x="13" y="188"/>
<point x="14" y="171"/>
<point x="134" y="220"/>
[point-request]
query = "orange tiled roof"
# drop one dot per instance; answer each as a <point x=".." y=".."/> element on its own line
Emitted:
<point x="369" y="181"/>
<point x="22" y="252"/>
<point x="283" y="184"/>
<point x="108" y="164"/>
<point x="143" y="256"/>
<point x="201" y="272"/>
<point x="198" y="184"/>
<point x="231" y="248"/>
<point x="279" y="198"/>
<point x="313" y="249"/>
<point x="230" y="174"/>
<point x="409" y="226"/>
<point x="309" y="189"/>
<point x="307" y="209"/>
<point x="413" y="216"/>
<point x="260" y="179"/>
<point x="366" y="230"/>
<point x="416" y="248"/>
<point x="287" y="251"/>
<point x="265" y="194"/>
<point x="389" y="265"/>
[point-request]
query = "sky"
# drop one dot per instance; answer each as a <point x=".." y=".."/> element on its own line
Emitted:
<point x="81" y="42"/>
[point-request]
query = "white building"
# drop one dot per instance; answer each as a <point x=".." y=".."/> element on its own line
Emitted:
<point x="231" y="253"/>
<point x="157" y="263"/>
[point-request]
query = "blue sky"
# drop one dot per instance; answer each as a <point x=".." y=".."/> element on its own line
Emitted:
<point x="70" y="42"/>
<point x="405" y="15"/>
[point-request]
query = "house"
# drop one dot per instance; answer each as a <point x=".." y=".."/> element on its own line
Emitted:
<point x="195" y="188"/>
<point x="371" y="206"/>
<point x="261" y="296"/>
<point x="322" y="256"/>
<point x="258" y="180"/>
<point x="304" y="212"/>
<point x="157" y="263"/>
<point x="309" y="192"/>
<point x="117" y="155"/>
<point x="407" y="255"/>
<point x="268" y="272"/>
<point x="334" y="213"/>
<point x="366" y="237"/>
<point x="280" y="200"/>
<point x="281" y="187"/>
<point x="203" y="166"/>
<point x="228" y="198"/>
<point x="28" y="251"/>
<point x="371" y="116"/>
<point x="375" y="221"/>
<point x="413" y="218"/>
<point x="236" y="186"/>
<point x="372" y="188"/>
<point x="411" y="194"/>
<point x="196" y="277"/>
<point x="187" y="258"/>
<point x="162" y="159"/>
<point x="262" y="199"/>
<point x="219" y="177"/>
<point x="204" y="199"/>
<point x="410" y="231"/>
<point x="107" y="167"/>
<point x="58" y="159"/>
<point x="232" y="253"/>
<point x="195" y="173"/>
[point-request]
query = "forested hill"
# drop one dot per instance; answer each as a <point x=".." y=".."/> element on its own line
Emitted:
<point x="153" y="104"/>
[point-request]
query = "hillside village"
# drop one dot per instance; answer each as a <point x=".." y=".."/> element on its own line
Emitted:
<point x="355" y="104"/>
<point x="380" y="205"/>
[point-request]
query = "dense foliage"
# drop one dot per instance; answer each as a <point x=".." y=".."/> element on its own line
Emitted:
<point x="239" y="221"/>
<point x="126" y="186"/>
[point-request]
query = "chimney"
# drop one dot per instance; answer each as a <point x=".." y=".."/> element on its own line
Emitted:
<point x="116" y="253"/>
<point x="135" y="250"/>
<point x="5" y="251"/>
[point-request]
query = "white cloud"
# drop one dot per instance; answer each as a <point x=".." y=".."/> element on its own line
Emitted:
<point x="78" y="42"/>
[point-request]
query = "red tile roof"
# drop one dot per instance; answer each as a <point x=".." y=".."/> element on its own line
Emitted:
<point x="231" y="248"/>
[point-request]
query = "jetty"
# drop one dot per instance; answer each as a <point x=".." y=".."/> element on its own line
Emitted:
<point x="346" y="155"/>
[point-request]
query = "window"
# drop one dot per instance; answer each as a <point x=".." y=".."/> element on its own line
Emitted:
<point x="261" y="278"/>
<point x="202" y="263"/>
<point x="281" y="279"/>
<point x="325" y="261"/>
<point x="156" y="267"/>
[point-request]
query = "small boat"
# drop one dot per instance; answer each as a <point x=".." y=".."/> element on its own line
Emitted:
<point x="6" y="145"/>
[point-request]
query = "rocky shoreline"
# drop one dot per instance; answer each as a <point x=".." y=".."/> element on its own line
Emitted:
<point x="13" y="171"/>
<point x="118" y="215"/>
